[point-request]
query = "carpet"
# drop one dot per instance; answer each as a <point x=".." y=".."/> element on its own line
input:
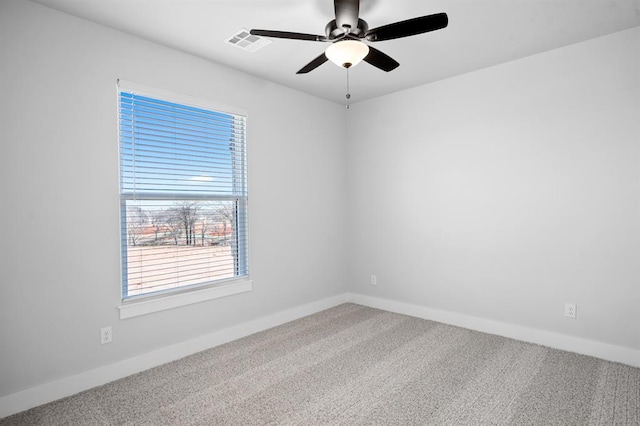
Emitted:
<point x="353" y="365"/>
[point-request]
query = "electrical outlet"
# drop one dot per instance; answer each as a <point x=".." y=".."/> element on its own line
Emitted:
<point x="570" y="310"/>
<point x="374" y="280"/>
<point x="106" y="335"/>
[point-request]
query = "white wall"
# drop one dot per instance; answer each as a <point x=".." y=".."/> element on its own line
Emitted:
<point x="504" y="193"/>
<point x="59" y="261"/>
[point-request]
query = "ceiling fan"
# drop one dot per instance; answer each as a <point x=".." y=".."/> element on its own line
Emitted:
<point x="347" y="34"/>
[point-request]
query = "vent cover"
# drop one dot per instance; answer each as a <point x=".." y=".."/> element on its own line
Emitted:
<point x="245" y="41"/>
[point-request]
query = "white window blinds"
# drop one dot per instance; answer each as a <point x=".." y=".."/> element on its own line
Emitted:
<point x="183" y="191"/>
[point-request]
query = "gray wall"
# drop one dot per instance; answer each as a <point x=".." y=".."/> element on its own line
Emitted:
<point x="60" y="261"/>
<point x="501" y="194"/>
<point x="504" y="193"/>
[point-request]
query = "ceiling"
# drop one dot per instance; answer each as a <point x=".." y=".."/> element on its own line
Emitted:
<point x="481" y="33"/>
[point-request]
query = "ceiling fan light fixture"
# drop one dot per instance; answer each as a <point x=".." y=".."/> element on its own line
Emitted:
<point x="347" y="53"/>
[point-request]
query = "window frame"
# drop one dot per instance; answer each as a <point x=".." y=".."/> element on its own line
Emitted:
<point x="134" y="305"/>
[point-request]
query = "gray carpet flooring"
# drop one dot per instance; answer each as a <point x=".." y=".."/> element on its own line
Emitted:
<point x="354" y="365"/>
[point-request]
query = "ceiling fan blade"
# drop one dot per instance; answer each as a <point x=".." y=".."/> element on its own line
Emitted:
<point x="288" y="35"/>
<point x="381" y="60"/>
<point x="313" y="64"/>
<point x="347" y="13"/>
<point x="422" y="24"/>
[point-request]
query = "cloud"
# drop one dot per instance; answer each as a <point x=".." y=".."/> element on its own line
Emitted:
<point x="201" y="178"/>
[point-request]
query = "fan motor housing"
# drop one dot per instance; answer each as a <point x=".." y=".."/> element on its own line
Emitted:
<point x="333" y="31"/>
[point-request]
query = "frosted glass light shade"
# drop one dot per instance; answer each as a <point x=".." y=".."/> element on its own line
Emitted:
<point x="347" y="53"/>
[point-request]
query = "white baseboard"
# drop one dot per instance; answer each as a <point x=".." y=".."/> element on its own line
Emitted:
<point x="28" y="398"/>
<point x="541" y="337"/>
<point x="38" y="395"/>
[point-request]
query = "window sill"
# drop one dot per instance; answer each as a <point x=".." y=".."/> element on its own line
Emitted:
<point x="143" y="307"/>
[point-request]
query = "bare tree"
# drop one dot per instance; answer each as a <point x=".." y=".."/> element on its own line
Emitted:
<point x="173" y="225"/>
<point x="205" y="223"/>
<point x="137" y="221"/>
<point x="186" y="214"/>
<point x="225" y="214"/>
<point x="157" y="219"/>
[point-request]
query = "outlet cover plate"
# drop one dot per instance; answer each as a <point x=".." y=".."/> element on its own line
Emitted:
<point x="570" y="310"/>
<point x="106" y="335"/>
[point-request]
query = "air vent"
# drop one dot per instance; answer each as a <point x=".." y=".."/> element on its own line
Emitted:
<point x="245" y="41"/>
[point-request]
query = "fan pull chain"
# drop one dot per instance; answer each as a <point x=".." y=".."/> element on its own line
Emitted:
<point x="348" y="94"/>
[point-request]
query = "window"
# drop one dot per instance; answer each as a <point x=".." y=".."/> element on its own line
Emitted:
<point x="183" y="193"/>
